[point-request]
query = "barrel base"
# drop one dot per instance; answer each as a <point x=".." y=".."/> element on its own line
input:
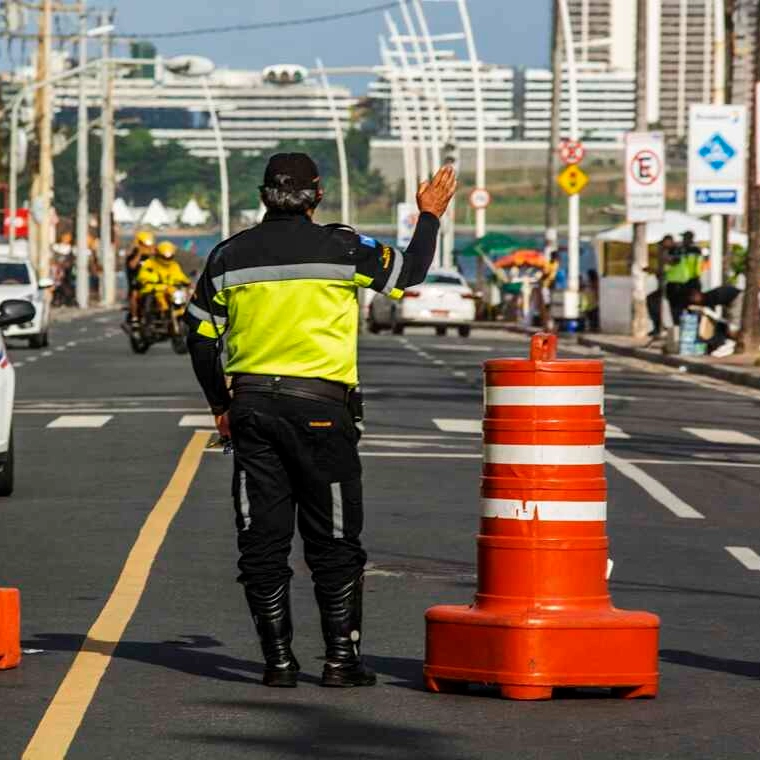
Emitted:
<point x="528" y="653"/>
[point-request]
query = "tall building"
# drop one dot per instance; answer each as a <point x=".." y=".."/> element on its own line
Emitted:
<point x="606" y="104"/>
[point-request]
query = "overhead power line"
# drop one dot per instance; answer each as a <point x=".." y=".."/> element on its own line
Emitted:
<point x="260" y="24"/>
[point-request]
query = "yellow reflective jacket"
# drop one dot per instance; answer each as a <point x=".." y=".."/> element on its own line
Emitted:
<point x="159" y="273"/>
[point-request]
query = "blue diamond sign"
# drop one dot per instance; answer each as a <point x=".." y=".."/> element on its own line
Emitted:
<point x="717" y="151"/>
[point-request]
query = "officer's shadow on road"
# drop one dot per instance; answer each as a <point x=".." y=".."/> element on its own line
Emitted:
<point x="191" y="654"/>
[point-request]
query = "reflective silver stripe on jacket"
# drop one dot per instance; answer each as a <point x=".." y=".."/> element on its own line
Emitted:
<point x="206" y="316"/>
<point x="343" y="272"/>
<point x="398" y="263"/>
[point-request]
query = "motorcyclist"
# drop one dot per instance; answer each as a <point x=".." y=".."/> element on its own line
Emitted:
<point x="143" y="247"/>
<point x="161" y="275"/>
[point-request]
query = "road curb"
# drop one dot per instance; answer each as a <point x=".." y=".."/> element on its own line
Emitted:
<point x="727" y="374"/>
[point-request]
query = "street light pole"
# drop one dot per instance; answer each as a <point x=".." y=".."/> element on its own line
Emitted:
<point x="719" y="98"/>
<point x="572" y="295"/>
<point x="107" y="173"/>
<point x="83" y="280"/>
<point x="480" y="133"/>
<point x="224" y="181"/>
<point x="345" y="194"/>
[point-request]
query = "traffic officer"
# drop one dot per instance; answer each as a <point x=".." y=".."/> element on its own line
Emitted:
<point x="284" y="296"/>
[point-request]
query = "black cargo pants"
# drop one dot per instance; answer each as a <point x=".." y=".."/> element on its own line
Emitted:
<point x="296" y="456"/>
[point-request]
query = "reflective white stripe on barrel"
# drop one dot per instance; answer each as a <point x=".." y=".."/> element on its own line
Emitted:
<point x="526" y="454"/>
<point x="545" y="395"/>
<point x="570" y="511"/>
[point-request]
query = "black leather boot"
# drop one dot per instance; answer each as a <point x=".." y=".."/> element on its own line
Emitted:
<point x="271" y="614"/>
<point x="341" y="613"/>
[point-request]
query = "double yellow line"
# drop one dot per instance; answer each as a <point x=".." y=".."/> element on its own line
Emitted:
<point x="64" y="715"/>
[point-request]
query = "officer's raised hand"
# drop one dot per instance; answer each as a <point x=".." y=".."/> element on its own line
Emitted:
<point x="435" y="196"/>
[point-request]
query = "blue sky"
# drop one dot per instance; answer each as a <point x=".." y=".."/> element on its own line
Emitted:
<point x="507" y="31"/>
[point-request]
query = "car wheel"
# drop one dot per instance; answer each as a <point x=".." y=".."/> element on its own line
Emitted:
<point x="38" y="341"/>
<point x="440" y="331"/>
<point x="6" y="475"/>
<point x="464" y="331"/>
<point x="45" y="339"/>
<point x="397" y="328"/>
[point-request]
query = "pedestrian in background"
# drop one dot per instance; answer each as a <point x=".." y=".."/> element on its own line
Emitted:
<point x="284" y="294"/>
<point x="665" y="250"/>
<point x="682" y="275"/>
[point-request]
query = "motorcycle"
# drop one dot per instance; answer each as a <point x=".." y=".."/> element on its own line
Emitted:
<point x="161" y="319"/>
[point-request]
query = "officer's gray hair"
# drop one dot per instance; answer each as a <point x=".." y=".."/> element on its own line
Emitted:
<point x="288" y="201"/>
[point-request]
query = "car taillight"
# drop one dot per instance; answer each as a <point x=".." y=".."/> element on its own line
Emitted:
<point x="412" y="294"/>
<point x="471" y="296"/>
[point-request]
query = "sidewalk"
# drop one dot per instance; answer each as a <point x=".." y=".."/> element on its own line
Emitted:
<point x="739" y="369"/>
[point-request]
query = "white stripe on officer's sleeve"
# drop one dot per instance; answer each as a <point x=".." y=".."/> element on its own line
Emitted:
<point x="398" y="263"/>
<point x="337" y="510"/>
<point x="205" y="316"/>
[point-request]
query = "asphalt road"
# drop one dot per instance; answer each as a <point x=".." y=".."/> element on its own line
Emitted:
<point x="184" y="677"/>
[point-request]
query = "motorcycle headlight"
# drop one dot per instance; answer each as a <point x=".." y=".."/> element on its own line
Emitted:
<point x="179" y="297"/>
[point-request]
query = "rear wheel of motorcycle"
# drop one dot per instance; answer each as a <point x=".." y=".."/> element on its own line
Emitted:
<point x="179" y="341"/>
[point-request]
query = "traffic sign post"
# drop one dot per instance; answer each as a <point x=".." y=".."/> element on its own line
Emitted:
<point x="572" y="179"/>
<point x="645" y="176"/>
<point x="480" y="198"/>
<point x="571" y="152"/>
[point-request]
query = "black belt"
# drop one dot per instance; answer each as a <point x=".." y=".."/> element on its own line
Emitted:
<point x="303" y="387"/>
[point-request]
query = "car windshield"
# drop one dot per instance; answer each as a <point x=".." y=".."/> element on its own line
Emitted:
<point x="442" y="279"/>
<point x="14" y="274"/>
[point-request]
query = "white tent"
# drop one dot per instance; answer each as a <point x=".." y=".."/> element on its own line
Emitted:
<point x="155" y="215"/>
<point x="675" y="223"/>
<point x="193" y="215"/>
<point x="122" y="213"/>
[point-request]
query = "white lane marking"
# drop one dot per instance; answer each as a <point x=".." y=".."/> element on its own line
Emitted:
<point x="109" y="410"/>
<point x="708" y="462"/>
<point x="71" y="343"/>
<point x="459" y="373"/>
<point x="748" y="557"/>
<point x="439" y="362"/>
<point x="654" y="488"/>
<point x="198" y="420"/>
<point x="16" y="365"/>
<point x="555" y="395"/>
<point x="716" y="435"/>
<point x="569" y="511"/>
<point x="417" y="444"/>
<point x="458" y="426"/>
<point x="616" y="397"/>
<point x="46" y="353"/>
<point x="418" y="455"/>
<point x="613" y="431"/>
<point x="455" y="347"/>
<point x="80" y="421"/>
<point x="30" y="359"/>
<point x="60" y="348"/>
<point x="537" y="454"/>
<point x="415" y="437"/>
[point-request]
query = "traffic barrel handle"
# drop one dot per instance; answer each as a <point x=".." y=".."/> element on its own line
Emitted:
<point x="543" y="347"/>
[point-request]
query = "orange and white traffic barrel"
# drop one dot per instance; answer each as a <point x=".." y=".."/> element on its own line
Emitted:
<point x="542" y="616"/>
<point x="10" y="628"/>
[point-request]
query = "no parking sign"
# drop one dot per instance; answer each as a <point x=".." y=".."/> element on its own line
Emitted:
<point x="645" y="176"/>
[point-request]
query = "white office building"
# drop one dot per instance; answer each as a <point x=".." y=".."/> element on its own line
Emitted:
<point x="256" y="109"/>
<point x="606" y="104"/>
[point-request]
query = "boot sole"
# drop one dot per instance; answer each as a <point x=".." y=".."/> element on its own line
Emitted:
<point x="281" y="680"/>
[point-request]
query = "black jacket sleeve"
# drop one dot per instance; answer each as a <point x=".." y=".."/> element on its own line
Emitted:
<point x="205" y="354"/>
<point x="421" y="251"/>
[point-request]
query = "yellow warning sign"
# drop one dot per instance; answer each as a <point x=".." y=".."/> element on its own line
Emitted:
<point x="572" y="179"/>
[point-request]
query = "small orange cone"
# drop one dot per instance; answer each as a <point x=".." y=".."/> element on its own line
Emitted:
<point x="542" y="616"/>
<point x="10" y="628"/>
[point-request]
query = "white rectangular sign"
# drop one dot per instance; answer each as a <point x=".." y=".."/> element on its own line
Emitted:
<point x="717" y="159"/>
<point x="645" y="176"/>
<point x="407" y="221"/>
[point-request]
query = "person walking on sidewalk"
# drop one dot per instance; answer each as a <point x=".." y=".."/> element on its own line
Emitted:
<point x="284" y="294"/>
<point x="654" y="299"/>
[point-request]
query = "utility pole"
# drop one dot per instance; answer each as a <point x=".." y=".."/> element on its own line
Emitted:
<point x="749" y="337"/>
<point x="551" y="209"/>
<point x="42" y="184"/>
<point x="729" y="12"/>
<point x="83" y="209"/>
<point x="640" y="324"/>
<point x="107" y="173"/>
<point x="718" y="221"/>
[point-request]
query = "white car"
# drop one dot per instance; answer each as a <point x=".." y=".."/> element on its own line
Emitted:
<point x="12" y="312"/>
<point x="443" y="300"/>
<point x="19" y="280"/>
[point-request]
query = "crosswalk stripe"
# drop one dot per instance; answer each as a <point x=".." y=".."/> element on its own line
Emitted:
<point x="458" y="426"/>
<point x="613" y="431"/>
<point x="748" y="557"/>
<point x="198" y="421"/>
<point x="80" y="421"/>
<point x="717" y="435"/>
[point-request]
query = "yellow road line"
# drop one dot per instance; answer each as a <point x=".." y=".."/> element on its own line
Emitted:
<point x="64" y="715"/>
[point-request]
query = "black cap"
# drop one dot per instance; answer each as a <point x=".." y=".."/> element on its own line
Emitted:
<point x="291" y="171"/>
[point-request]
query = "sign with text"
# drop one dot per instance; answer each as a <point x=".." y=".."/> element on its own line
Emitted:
<point x="407" y="221"/>
<point x="645" y="176"/>
<point x="717" y="159"/>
